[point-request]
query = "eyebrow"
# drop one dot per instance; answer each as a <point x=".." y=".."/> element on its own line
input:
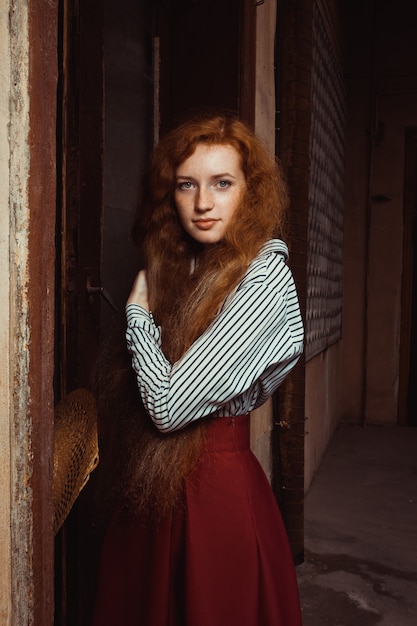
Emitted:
<point x="214" y="177"/>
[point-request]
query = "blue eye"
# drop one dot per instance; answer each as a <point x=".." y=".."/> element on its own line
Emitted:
<point x="185" y="185"/>
<point x="223" y="184"/>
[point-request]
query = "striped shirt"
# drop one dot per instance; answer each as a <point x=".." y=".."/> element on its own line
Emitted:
<point x="237" y="363"/>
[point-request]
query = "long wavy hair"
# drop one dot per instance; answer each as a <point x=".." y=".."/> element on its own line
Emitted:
<point x="184" y="302"/>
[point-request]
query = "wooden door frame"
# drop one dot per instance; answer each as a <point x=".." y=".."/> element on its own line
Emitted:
<point x="29" y="81"/>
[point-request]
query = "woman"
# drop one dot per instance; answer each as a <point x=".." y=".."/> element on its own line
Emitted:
<point x="213" y="327"/>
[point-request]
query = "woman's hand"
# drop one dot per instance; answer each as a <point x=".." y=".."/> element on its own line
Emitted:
<point x="139" y="293"/>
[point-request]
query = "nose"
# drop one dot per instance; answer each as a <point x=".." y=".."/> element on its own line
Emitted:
<point x="204" y="200"/>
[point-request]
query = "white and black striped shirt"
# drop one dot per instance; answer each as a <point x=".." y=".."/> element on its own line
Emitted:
<point x="237" y="363"/>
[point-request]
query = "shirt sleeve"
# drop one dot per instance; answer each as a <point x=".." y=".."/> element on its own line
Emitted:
<point x="249" y="348"/>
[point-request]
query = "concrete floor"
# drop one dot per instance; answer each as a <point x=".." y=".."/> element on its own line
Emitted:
<point x="360" y="564"/>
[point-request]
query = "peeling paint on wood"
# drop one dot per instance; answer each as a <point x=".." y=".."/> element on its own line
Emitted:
<point x="5" y="465"/>
<point x="20" y="427"/>
<point x="28" y="75"/>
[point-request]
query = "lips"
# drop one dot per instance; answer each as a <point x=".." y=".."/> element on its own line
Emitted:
<point x="205" y="224"/>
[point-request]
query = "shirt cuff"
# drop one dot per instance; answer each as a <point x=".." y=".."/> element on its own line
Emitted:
<point x="139" y="317"/>
<point x="135" y="311"/>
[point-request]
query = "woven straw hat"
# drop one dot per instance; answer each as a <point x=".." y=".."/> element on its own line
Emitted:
<point x="75" y="450"/>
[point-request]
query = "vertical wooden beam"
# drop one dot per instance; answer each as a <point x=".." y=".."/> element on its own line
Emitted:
<point x="6" y="132"/>
<point x="29" y="63"/>
<point x="43" y="75"/>
<point x="294" y="66"/>
<point x="265" y="97"/>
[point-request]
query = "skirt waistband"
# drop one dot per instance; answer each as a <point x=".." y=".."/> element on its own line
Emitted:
<point x="228" y="433"/>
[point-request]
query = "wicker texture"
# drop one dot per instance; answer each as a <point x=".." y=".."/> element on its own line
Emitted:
<point x="75" y="450"/>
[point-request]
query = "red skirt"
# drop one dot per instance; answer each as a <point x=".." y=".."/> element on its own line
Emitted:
<point x="223" y="558"/>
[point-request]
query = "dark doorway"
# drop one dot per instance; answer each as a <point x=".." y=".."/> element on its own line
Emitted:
<point x="80" y="174"/>
<point x="207" y="58"/>
<point x="129" y="70"/>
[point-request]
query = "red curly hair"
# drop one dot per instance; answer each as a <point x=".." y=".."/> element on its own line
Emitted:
<point x="183" y="302"/>
<point x="189" y="302"/>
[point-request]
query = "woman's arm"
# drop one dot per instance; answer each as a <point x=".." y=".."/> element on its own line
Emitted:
<point x="139" y="292"/>
<point x="258" y="331"/>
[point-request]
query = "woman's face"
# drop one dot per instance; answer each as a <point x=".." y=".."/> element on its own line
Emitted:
<point x="209" y="188"/>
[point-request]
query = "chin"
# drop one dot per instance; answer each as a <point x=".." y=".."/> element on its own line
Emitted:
<point x="208" y="241"/>
<point x="205" y="238"/>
